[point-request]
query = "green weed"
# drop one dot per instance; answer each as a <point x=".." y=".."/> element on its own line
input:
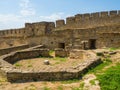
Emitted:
<point x="92" y="82"/>
<point x="110" y="79"/>
<point x="60" y="87"/>
<point x="46" y="88"/>
<point x="18" y="65"/>
<point x="70" y="81"/>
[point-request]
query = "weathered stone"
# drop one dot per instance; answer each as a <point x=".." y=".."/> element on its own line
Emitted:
<point x="101" y="29"/>
<point x="46" y="62"/>
<point x="61" y="53"/>
<point x="12" y="74"/>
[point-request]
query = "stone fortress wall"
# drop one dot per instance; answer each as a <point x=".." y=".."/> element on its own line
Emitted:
<point x="79" y="21"/>
<point x="101" y="26"/>
<point x="82" y="31"/>
<point x="89" y="20"/>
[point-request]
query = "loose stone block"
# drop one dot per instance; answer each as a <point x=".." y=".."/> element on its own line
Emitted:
<point x="46" y="62"/>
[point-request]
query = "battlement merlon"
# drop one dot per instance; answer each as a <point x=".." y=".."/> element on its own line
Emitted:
<point x="119" y="12"/>
<point x="70" y="20"/>
<point x="86" y="16"/>
<point x="95" y="15"/>
<point x="39" y="28"/>
<point x="104" y="14"/>
<point x="113" y="13"/>
<point x="38" y="24"/>
<point x="78" y="17"/>
<point x="20" y="32"/>
<point x="60" y="23"/>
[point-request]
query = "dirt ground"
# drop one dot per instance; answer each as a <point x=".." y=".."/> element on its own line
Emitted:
<point x="37" y="64"/>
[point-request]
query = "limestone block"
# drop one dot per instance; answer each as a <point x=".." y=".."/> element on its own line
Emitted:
<point x="46" y="62"/>
<point x="78" y="17"/>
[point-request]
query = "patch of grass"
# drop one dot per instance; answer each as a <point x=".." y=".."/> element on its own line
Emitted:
<point x="45" y="83"/>
<point x="60" y="59"/>
<point x="110" y="79"/>
<point x="74" y="63"/>
<point x="46" y="88"/>
<point x="113" y="49"/>
<point x="80" y="87"/>
<point x="18" y="65"/>
<point x="3" y="79"/>
<point x="98" y="69"/>
<point x="29" y="65"/>
<point x="92" y="82"/>
<point x="107" y="60"/>
<point x="57" y="63"/>
<point x="51" y="52"/>
<point x="100" y="54"/>
<point x="31" y="87"/>
<point x="70" y="81"/>
<point x="60" y="87"/>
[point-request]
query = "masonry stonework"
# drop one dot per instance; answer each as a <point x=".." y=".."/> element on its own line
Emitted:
<point x="82" y="31"/>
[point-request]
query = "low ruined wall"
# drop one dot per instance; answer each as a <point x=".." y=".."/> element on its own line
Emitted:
<point x="12" y="49"/>
<point x="14" y="57"/>
<point x="81" y="54"/>
<point x="13" y="74"/>
<point x="77" y="54"/>
<point x="61" y="53"/>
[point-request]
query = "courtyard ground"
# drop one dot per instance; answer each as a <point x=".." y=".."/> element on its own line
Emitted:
<point x="88" y="82"/>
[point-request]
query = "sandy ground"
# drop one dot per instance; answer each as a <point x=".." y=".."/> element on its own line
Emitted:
<point x="37" y="64"/>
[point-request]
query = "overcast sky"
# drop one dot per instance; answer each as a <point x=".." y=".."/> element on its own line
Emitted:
<point x="14" y="13"/>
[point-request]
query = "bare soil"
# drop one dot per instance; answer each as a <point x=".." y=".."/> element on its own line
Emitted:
<point x="37" y="64"/>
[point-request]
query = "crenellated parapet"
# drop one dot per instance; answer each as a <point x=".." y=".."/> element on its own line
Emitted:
<point x="91" y="20"/>
<point x="79" y="21"/>
<point x="98" y="15"/>
<point x="70" y="20"/>
<point x="31" y="29"/>
<point x="13" y="33"/>
<point x="60" y="23"/>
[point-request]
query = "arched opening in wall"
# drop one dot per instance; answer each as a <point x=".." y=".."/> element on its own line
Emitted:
<point x="61" y="45"/>
<point x="92" y="43"/>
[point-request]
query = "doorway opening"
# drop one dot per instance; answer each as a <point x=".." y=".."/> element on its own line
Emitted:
<point x="61" y="45"/>
<point x="92" y="43"/>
